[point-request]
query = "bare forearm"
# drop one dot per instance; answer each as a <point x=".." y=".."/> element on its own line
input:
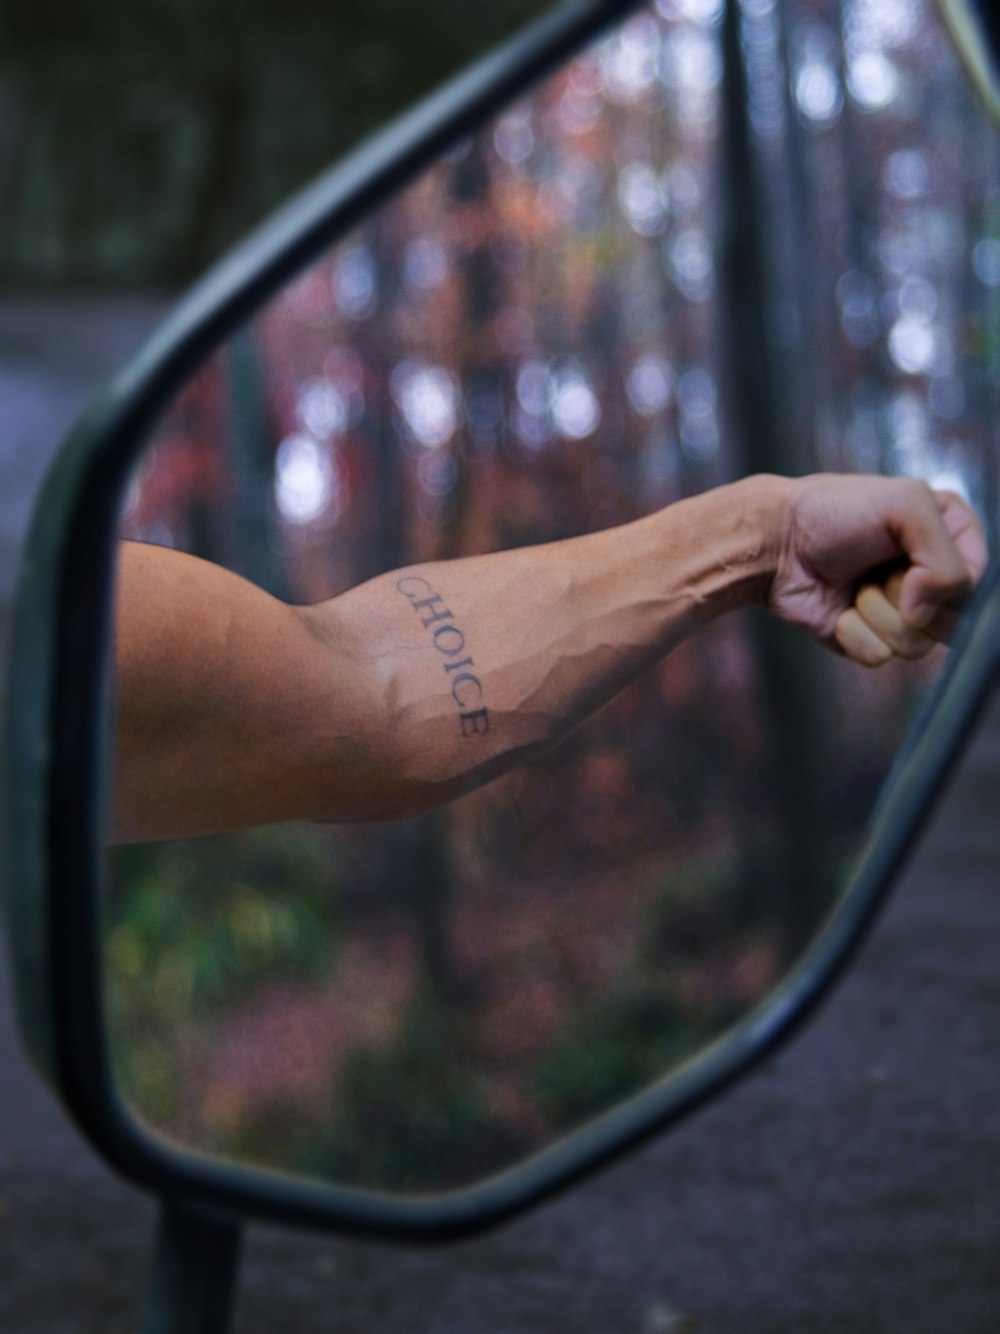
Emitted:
<point x="235" y="709"/>
<point x="477" y="664"/>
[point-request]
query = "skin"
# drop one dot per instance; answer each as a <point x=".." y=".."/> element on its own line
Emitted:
<point x="236" y="709"/>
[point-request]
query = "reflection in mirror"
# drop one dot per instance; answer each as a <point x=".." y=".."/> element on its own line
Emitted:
<point x="719" y="243"/>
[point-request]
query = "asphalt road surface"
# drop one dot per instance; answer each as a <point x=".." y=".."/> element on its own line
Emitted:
<point x="853" y="1185"/>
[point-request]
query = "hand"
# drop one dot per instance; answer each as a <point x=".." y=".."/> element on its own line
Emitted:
<point x="876" y="567"/>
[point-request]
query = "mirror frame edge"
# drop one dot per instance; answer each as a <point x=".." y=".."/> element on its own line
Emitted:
<point x="54" y="732"/>
<point x="968" y="25"/>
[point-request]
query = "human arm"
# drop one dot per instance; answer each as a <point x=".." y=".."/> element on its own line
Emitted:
<point x="235" y="709"/>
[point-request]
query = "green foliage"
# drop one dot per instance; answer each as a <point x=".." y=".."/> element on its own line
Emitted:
<point x="616" y="1051"/>
<point x="415" y="1116"/>
<point x="192" y="922"/>
<point x="641" y="1029"/>
<point x="192" y="930"/>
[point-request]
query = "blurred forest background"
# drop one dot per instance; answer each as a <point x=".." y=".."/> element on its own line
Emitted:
<point x="731" y="238"/>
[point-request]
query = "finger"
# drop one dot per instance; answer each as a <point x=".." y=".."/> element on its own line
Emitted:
<point x="942" y="627"/>
<point x="893" y="587"/>
<point x="965" y="531"/>
<point x="937" y="573"/>
<point x="859" y="641"/>
<point x="883" y="616"/>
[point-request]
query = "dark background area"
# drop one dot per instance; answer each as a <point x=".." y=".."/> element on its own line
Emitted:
<point x="138" y="141"/>
<point x="850" y="1185"/>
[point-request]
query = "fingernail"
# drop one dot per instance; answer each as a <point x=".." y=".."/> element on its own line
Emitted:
<point x="922" y="615"/>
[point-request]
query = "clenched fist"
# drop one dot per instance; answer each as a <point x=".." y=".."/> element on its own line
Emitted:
<point x="875" y="567"/>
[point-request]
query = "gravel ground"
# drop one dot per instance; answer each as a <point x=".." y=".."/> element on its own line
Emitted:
<point x="850" y="1186"/>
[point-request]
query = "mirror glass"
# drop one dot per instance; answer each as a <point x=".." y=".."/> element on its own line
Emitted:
<point x="537" y="339"/>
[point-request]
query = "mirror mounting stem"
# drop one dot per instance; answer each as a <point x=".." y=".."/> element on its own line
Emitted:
<point x="193" y="1280"/>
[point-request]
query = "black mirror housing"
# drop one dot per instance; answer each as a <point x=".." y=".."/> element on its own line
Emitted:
<point x="58" y="707"/>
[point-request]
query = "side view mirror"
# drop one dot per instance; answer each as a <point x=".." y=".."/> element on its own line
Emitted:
<point x="565" y="291"/>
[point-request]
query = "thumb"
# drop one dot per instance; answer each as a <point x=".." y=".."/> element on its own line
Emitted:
<point x="937" y="574"/>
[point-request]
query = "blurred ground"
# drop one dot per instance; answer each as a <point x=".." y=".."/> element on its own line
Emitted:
<point x="852" y="1186"/>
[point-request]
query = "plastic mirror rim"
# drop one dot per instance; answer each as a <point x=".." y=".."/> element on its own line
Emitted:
<point x="57" y="711"/>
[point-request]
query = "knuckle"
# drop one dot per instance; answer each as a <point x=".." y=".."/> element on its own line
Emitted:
<point x="959" y="573"/>
<point x="917" y="491"/>
<point x="955" y="581"/>
<point x="914" y="486"/>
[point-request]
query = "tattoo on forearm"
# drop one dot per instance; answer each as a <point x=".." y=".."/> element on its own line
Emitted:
<point x="448" y="639"/>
